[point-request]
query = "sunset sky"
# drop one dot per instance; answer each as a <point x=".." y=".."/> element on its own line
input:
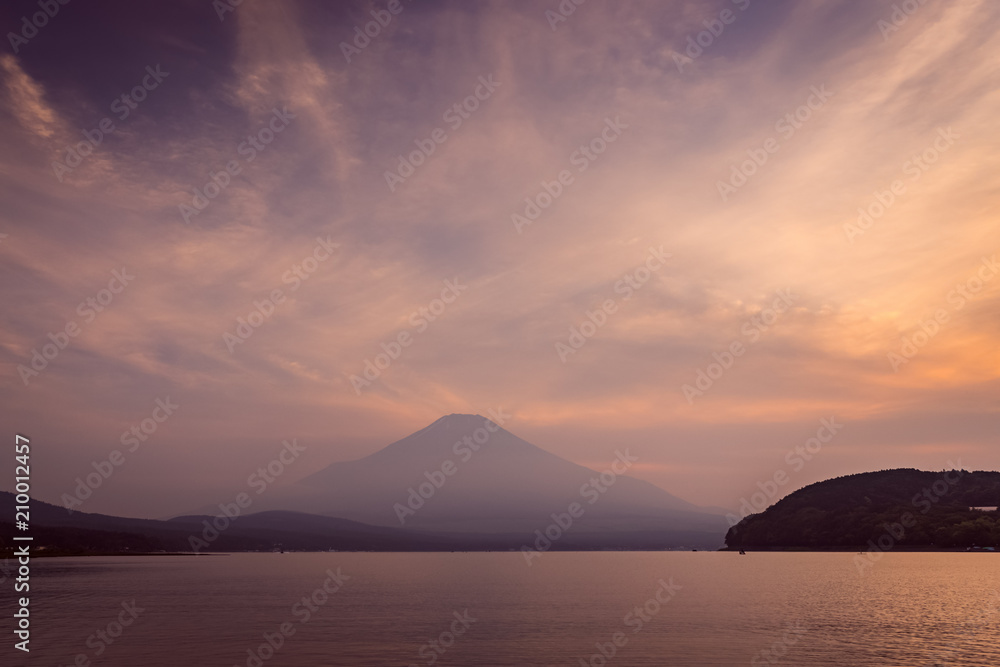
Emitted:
<point x="652" y="228"/>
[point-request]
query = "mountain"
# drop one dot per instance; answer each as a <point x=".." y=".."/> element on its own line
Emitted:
<point x="464" y="473"/>
<point x="905" y="507"/>
<point x="482" y="488"/>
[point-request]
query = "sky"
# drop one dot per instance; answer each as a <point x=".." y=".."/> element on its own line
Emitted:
<point x="707" y="231"/>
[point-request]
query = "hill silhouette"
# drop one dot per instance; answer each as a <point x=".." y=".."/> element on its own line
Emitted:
<point x="58" y="532"/>
<point x="848" y="512"/>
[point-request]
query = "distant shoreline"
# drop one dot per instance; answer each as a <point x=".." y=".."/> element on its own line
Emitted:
<point x="858" y="549"/>
<point x="43" y="554"/>
<point x="9" y="553"/>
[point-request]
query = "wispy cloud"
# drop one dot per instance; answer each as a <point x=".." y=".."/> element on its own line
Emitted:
<point x="656" y="185"/>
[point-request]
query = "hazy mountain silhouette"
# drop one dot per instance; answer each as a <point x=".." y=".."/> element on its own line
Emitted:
<point x="500" y="484"/>
<point x="58" y="532"/>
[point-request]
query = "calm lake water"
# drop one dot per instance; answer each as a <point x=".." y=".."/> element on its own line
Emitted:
<point x="719" y="609"/>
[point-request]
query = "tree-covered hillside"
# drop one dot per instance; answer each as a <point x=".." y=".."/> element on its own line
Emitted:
<point x="915" y="508"/>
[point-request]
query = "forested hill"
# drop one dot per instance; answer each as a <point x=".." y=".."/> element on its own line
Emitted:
<point x="932" y="508"/>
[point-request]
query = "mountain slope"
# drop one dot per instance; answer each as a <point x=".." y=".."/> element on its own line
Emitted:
<point x="497" y="483"/>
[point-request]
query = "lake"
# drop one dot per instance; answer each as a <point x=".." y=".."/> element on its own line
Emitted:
<point x="566" y="608"/>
